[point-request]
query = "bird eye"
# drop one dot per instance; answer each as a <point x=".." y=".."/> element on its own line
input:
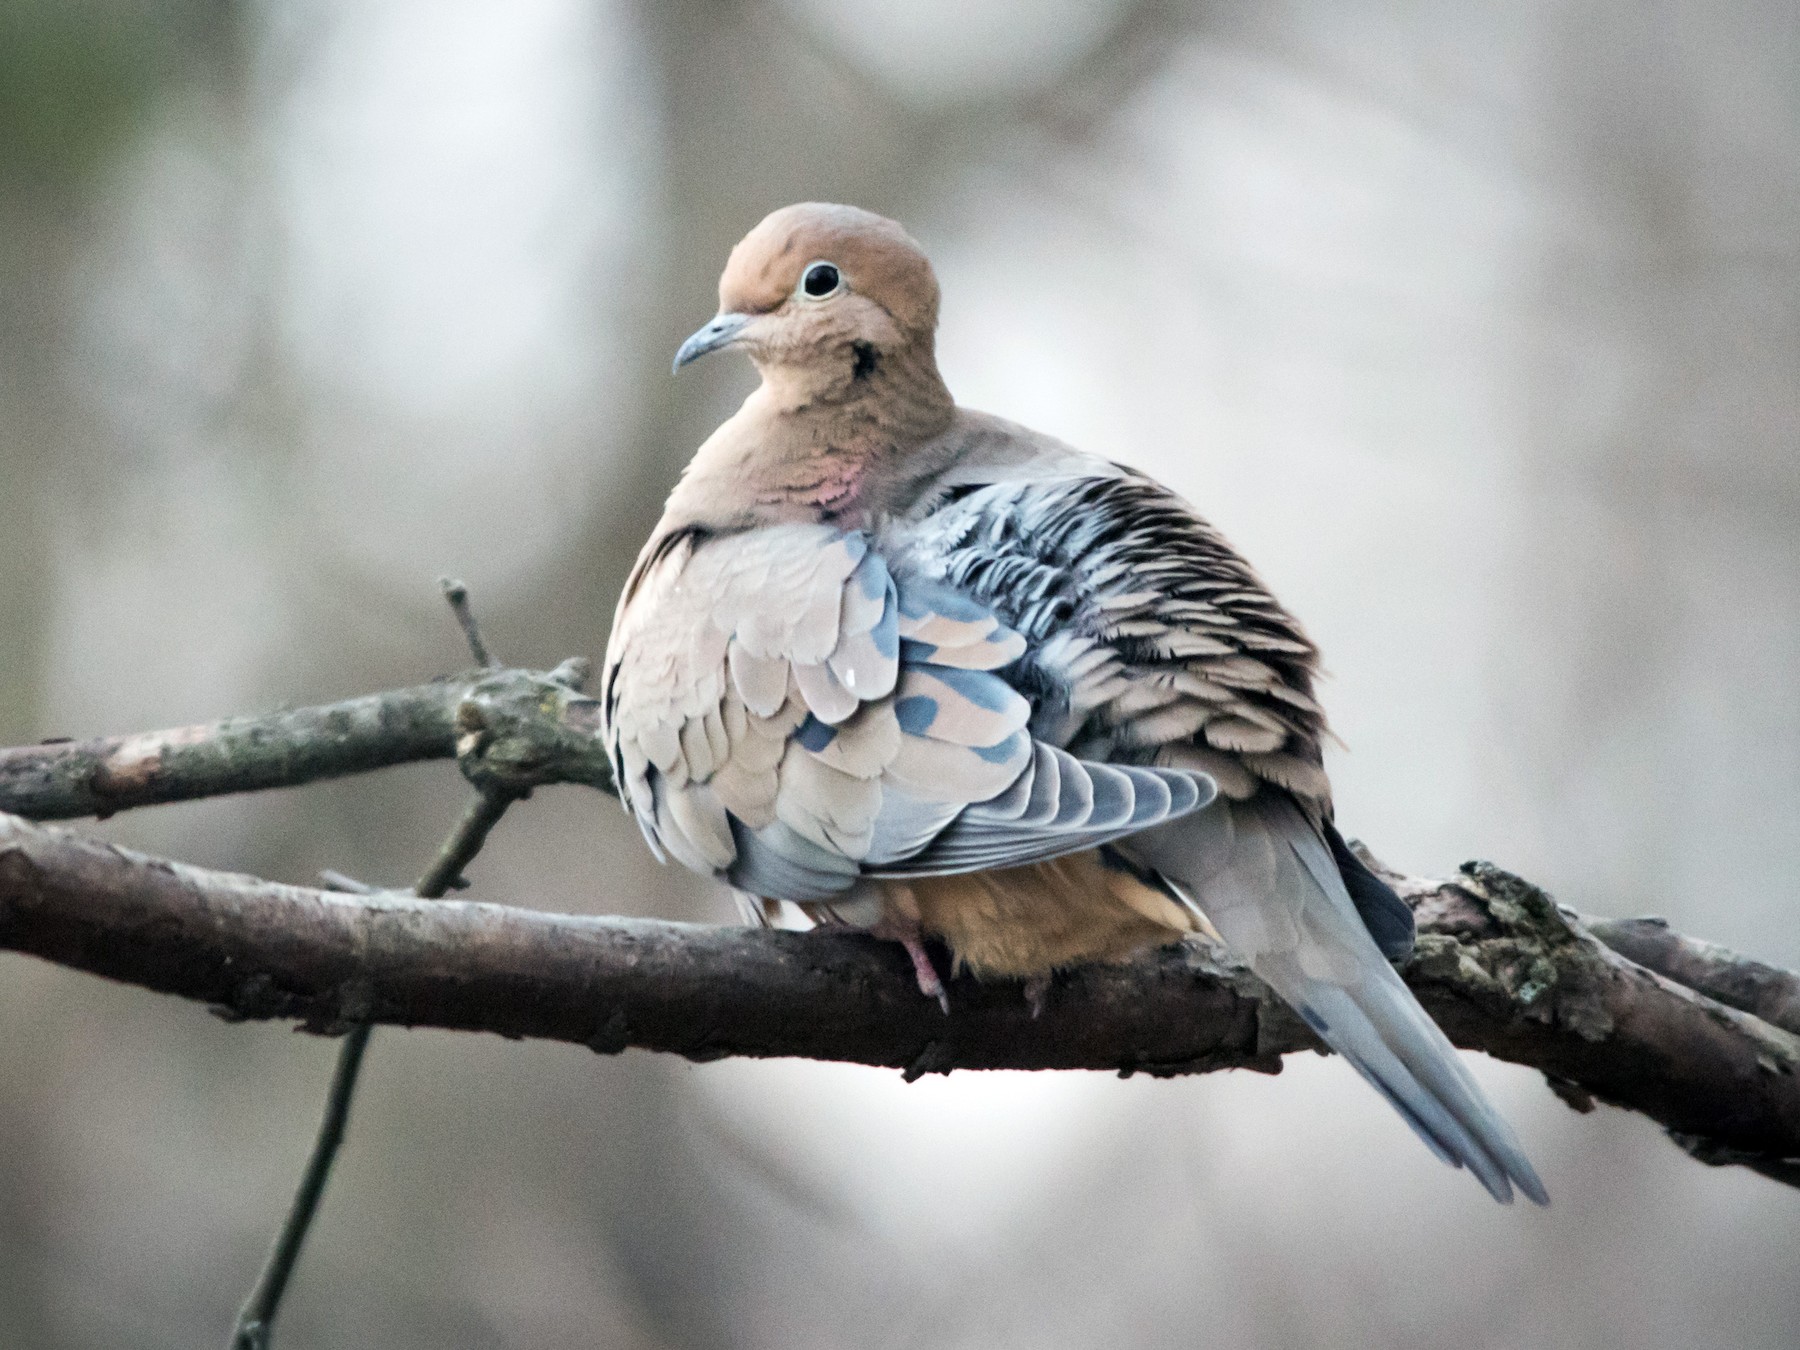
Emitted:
<point x="820" y="280"/>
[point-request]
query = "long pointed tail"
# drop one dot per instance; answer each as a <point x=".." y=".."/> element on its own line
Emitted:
<point x="1269" y="883"/>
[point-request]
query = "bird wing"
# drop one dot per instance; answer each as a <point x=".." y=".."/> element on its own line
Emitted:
<point x="1148" y="640"/>
<point x="785" y="712"/>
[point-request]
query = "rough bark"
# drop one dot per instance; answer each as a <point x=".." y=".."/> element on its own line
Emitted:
<point x="1627" y="1012"/>
<point x="1498" y="964"/>
<point x="1736" y="981"/>
<point x="512" y="725"/>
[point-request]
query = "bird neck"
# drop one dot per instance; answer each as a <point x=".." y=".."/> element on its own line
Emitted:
<point x="854" y="381"/>
<point x="828" y="440"/>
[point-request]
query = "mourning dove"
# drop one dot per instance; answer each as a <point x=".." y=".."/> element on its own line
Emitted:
<point x="921" y="670"/>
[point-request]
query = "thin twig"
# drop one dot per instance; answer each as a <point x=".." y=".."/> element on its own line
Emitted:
<point x="333" y="880"/>
<point x="255" y="1324"/>
<point x="256" y="1321"/>
<point x="481" y="815"/>
<point x="458" y="596"/>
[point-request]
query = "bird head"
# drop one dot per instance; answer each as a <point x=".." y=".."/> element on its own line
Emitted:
<point x="817" y="286"/>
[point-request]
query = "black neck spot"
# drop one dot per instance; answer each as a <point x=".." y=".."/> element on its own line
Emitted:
<point x="867" y="359"/>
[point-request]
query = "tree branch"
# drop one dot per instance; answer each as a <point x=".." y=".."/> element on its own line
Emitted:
<point x="1498" y="964"/>
<point x="1698" y="1038"/>
<point x="515" y="727"/>
<point x="1736" y="981"/>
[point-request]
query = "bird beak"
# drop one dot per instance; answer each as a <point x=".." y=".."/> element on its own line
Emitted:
<point x="721" y="332"/>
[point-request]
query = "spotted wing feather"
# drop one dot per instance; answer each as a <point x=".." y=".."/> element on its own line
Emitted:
<point x="787" y="714"/>
<point x="1148" y="639"/>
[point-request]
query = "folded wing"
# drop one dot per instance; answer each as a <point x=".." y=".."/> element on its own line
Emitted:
<point x="796" y="717"/>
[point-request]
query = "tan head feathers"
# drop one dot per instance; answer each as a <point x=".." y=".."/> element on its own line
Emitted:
<point x="873" y="255"/>
<point x="813" y="280"/>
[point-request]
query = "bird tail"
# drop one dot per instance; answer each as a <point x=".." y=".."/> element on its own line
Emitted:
<point x="1270" y="884"/>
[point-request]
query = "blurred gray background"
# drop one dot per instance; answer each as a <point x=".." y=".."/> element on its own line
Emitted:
<point x="1476" y="325"/>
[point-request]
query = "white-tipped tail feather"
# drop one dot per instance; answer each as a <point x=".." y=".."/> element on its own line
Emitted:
<point x="1268" y="882"/>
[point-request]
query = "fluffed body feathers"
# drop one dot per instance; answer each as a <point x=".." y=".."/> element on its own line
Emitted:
<point x="919" y="669"/>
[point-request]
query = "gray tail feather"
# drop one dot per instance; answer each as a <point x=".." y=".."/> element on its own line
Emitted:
<point x="1273" y="889"/>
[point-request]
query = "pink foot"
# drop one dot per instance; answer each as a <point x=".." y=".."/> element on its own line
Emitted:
<point x="926" y="973"/>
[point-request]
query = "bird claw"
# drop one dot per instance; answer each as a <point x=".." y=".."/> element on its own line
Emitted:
<point x="1037" y="989"/>
<point x="924" y="972"/>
